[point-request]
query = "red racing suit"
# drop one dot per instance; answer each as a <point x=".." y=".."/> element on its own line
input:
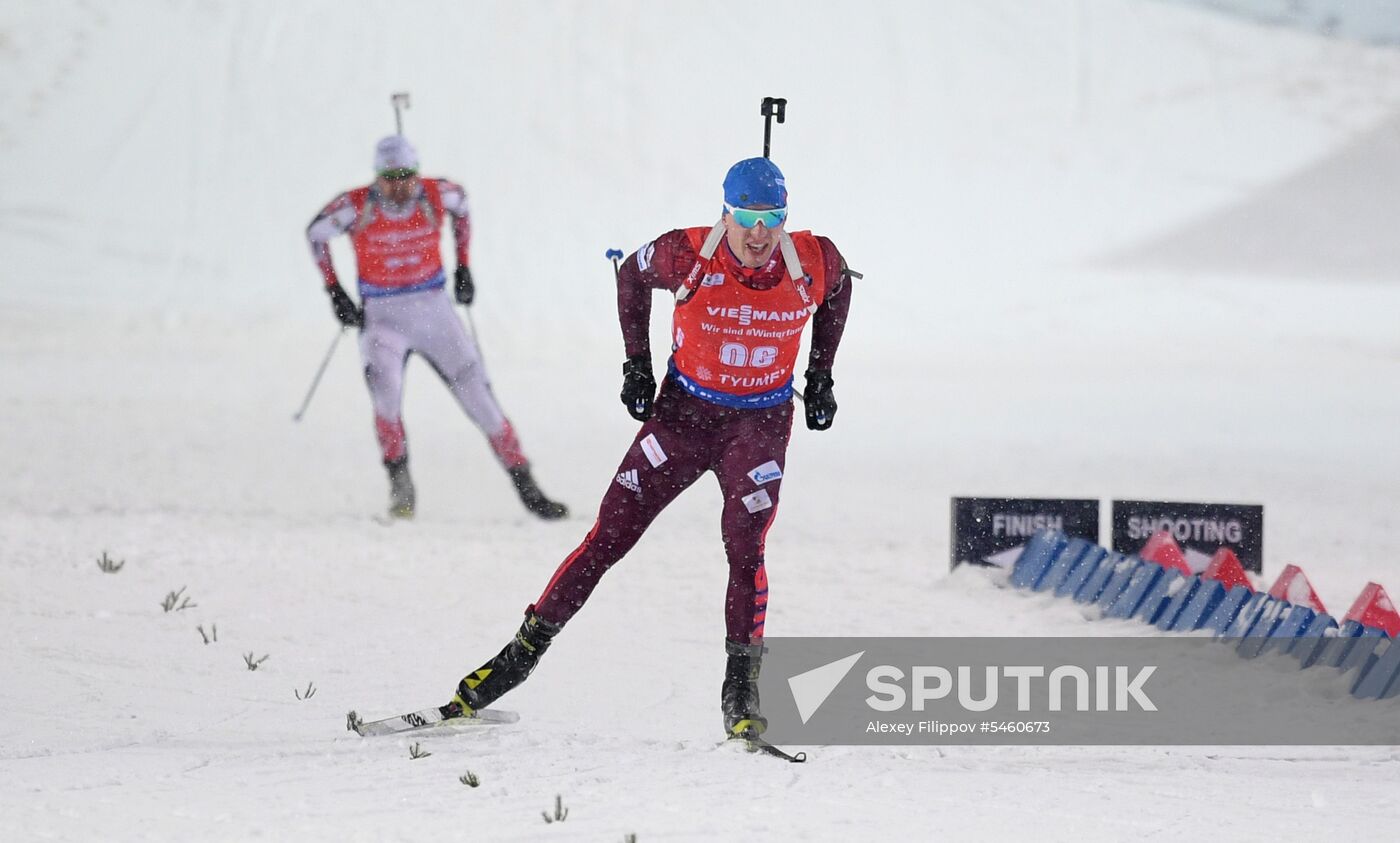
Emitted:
<point x="725" y="407"/>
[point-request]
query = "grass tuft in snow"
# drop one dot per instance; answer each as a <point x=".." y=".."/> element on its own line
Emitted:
<point x="176" y="602"/>
<point x="470" y="779"/>
<point x="310" y="691"/>
<point x="252" y="662"/>
<point x="560" y="812"/>
<point x="211" y="636"/>
<point x="108" y="565"/>
<point x="416" y="751"/>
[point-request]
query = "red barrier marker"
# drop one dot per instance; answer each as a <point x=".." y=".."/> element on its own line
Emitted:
<point x="1293" y="585"/>
<point x="1164" y="550"/>
<point x="1374" y="609"/>
<point x="1225" y="566"/>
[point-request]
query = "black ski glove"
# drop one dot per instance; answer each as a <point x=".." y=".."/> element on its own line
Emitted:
<point x="818" y="400"/>
<point x="349" y="314"/>
<point x="638" y="386"/>
<point x="466" y="290"/>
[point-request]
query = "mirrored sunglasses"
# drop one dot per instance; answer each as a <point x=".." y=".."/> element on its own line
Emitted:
<point x="750" y="217"/>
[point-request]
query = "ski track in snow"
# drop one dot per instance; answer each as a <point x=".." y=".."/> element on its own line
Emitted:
<point x="1004" y="175"/>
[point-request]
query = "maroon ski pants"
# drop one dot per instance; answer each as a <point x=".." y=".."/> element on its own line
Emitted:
<point x="686" y="437"/>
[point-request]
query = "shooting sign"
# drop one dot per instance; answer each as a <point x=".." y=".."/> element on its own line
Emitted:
<point x="1199" y="528"/>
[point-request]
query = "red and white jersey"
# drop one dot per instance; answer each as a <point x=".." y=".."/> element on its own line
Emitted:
<point x="735" y="344"/>
<point x="397" y="247"/>
<point x="735" y="338"/>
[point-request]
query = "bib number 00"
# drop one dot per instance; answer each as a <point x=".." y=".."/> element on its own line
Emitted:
<point x="736" y="354"/>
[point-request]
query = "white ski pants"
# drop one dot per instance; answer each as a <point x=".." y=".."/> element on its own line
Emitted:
<point x="425" y="323"/>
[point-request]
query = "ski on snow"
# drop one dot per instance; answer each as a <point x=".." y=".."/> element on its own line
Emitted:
<point x="445" y="716"/>
<point x="428" y="717"/>
<point x="753" y="743"/>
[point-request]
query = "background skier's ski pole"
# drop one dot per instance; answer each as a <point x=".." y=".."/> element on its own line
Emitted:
<point x="475" y="336"/>
<point x="317" y="380"/>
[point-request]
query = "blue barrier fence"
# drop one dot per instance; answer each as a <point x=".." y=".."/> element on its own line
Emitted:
<point x="1127" y="587"/>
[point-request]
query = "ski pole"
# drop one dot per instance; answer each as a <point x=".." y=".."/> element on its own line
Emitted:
<point x="616" y="255"/>
<point x="476" y="338"/>
<point x="770" y="108"/>
<point x="306" y="402"/>
<point x="400" y="102"/>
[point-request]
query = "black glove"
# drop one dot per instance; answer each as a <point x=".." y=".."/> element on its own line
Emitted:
<point x="818" y="400"/>
<point x="349" y="313"/>
<point x="466" y="290"/>
<point x="638" y="386"/>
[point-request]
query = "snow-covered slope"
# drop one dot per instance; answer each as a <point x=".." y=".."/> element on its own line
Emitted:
<point x="1068" y="291"/>
<point x="1369" y="21"/>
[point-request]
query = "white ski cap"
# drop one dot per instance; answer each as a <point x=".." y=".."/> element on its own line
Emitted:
<point x="395" y="153"/>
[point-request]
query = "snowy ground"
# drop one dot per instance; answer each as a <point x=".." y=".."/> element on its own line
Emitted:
<point x="1069" y="292"/>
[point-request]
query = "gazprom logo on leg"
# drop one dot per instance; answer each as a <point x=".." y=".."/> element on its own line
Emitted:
<point x="766" y="473"/>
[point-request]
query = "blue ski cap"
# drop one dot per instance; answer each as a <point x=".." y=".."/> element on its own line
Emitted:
<point x="755" y="181"/>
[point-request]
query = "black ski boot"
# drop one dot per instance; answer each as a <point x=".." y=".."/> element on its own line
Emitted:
<point x="738" y="697"/>
<point x="509" y="668"/>
<point x="401" y="494"/>
<point x="533" y="498"/>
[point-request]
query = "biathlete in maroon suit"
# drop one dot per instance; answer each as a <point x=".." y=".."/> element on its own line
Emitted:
<point x="745" y="289"/>
<point x="395" y="227"/>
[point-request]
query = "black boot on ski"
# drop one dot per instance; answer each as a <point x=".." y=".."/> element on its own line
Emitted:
<point x="401" y="494"/>
<point x="533" y="498"/>
<point x="509" y="668"/>
<point x="738" y="697"/>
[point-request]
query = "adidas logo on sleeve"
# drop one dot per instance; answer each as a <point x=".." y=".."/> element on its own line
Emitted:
<point x="628" y="480"/>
